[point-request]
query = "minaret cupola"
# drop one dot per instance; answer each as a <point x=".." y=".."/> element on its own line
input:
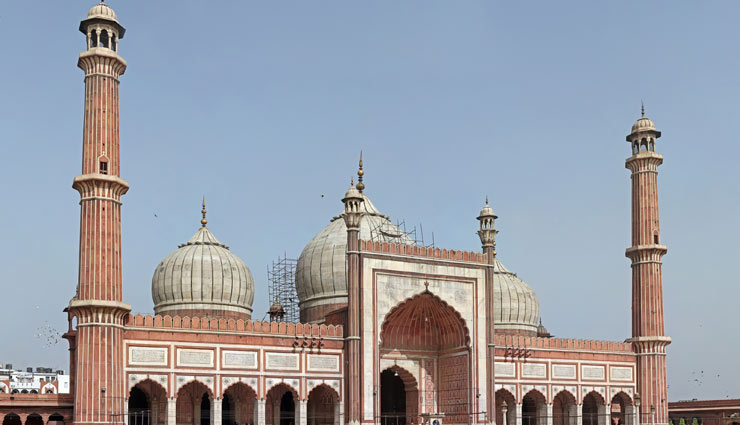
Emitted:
<point x="102" y="28"/>
<point x="643" y="135"/>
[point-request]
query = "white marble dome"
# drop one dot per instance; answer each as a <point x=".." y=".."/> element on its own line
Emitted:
<point x="102" y="10"/>
<point x="321" y="278"/>
<point x="643" y="124"/>
<point x="516" y="308"/>
<point x="202" y="277"/>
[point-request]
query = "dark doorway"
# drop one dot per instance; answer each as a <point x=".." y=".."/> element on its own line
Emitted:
<point x="590" y="410"/>
<point x="287" y="409"/>
<point x="529" y="411"/>
<point x="138" y="407"/>
<point x="392" y="399"/>
<point x="227" y="411"/>
<point x="12" y="419"/>
<point x="205" y="410"/>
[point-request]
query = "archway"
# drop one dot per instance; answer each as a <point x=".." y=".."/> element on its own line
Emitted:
<point x="564" y="410"/>
<point x="193" y="404"/>
<point x="621" y="409"/>
<point x="392" y="398"/>
<point x="323" y="406"/>
<point x="280" y="405"/>
<point x="34" y="419"/>
<point x="147" y="404"/>
<point x="425" y="327"/>
<point x="138" y="407"/>
<point x="238" y="405"/>
<point x="56" y="419"/>
<point x="534" y="409"/>
<point x="593" y="409"/>
<point x="505" y="408"/>
<point x="12" y="419"/>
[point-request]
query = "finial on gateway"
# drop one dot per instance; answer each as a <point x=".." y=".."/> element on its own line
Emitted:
<point x="643" y="108"/>
<point x="203" y="221"/>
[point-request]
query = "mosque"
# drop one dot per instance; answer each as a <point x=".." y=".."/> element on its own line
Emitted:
<point x="391" y="332"/>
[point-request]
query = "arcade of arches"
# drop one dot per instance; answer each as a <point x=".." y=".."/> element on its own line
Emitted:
<point x="195" y="405"/>
<point x="534" y="409"/>
<point x="428" y="335"/>
<point x="33" y="419"/>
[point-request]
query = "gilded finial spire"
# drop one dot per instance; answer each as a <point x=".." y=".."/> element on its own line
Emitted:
<point x="642" y="108"/>
<point x="203" y="221"/>
<point x="486" y="199"/>
<point x="360" y="173"/>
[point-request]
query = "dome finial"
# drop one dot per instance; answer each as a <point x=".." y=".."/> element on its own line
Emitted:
<point x="203" y="221"/>
<point x="486" y="199"/>
<point x="360" y="173"/>
<point x="643" y="108"/>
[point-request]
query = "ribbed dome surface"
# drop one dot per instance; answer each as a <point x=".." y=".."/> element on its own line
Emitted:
<point x="102" y="10"/>
<point x="643" y="124"/>
<point x="321" y="278"/>
<point x="515" y="303"/>
<point x="203" y="277"/>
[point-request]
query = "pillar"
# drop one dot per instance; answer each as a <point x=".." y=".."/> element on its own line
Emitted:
<point x="260" y="412"/>
<point x="519" y="413"/>
<point x="302" y="418"/>
<point x="172" y="411"/>
<point x="216" y="405"/>
<point x="548" y="413"/>
<point x="125" y="412"/>
<point x="579" y="414"/>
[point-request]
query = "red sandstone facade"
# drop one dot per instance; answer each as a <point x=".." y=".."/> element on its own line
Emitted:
<point x="414" y="343"/>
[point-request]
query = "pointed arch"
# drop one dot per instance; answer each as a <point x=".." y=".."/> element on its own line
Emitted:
<point x="421" y="322"/>
<point x="506" y="407"/>
<point x="322" y="405"/>
<point x="564" y="408"/>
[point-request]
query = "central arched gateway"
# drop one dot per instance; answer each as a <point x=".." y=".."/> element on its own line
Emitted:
<point x="424" y="363"/>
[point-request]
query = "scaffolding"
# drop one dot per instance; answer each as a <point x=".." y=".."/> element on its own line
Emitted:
<point x="385" y="231"/>
<point x="281" y="288"/>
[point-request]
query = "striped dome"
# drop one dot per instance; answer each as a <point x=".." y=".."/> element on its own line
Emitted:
<point x="516" y="309"/>
<point x="202" y="277"/>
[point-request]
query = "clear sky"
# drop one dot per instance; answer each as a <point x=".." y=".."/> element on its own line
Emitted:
<point x="263" y="108"/>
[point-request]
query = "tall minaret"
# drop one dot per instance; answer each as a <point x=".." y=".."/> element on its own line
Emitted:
<point x="99" y="388"/>
<point x="487" y="233"/>
<point x="646" y="253"/>
<point x="352" y="216"/>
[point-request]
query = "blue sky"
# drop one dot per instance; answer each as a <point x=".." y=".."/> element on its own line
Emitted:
<point x="264" y="106"/>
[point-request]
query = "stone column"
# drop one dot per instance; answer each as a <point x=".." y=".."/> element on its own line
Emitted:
<point x="216" y="411"/>
<point x="125" y="411"/>
<point x="519" y="413"/>
<point x="579" y="414"/>
<point x="548" y="414"/>
<point x="504" y="415"/>
<point x="171" y="411"/>
<point x="302" y="418"/>
<point x="260" y="412"/>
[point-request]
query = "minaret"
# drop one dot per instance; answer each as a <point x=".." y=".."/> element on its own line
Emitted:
<point x="648" y="334"/>
<point x="100" y="387"/>
<point x="487" y="235"/>
<point x="352" y="203"/>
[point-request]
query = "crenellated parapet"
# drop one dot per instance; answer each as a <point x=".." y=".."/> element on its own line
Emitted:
<point x="504" y="341"/>
<point x="421" y="251"/>
<point x="166" y="322"/>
